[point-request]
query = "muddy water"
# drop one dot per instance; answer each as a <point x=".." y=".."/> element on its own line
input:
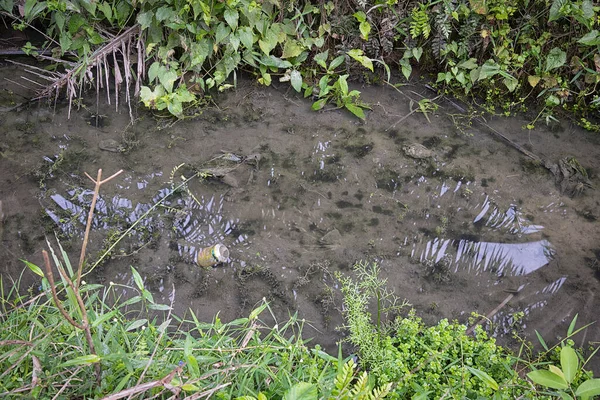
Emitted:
<point x="464" y="224"/>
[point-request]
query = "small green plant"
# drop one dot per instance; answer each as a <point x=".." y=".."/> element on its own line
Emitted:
<point x="425" y="106"/>
<point x="339" y="94"/>
<point x="424" y="362"/>
<point x="570" y="380"/>
<point x="333" y="88"/>
<point x="562" y="379"/>
<point x="346" y="386"/>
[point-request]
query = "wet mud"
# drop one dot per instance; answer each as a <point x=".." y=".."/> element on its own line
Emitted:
<point x="456" y="219"/>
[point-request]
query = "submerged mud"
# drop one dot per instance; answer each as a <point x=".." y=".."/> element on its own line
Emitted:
<point x="458" y="221"/>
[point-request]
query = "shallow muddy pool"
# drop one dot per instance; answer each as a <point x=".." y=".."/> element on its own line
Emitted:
<point x="458" y="221"/>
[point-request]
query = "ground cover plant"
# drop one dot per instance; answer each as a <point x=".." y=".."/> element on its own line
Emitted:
<point x="141" y="350"/>
<point x="443" y="360"/>
<point x="175" y="53"/>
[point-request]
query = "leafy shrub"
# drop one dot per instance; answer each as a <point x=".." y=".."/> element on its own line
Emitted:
<point x="504" y="51"/>
<point x="434" y="361"/>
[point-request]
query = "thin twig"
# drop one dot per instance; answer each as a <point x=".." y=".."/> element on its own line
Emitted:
<point x="50" y="277"/>
<point x="66" y="384"/>
<point x="32" y="81"/>
<point x="145" y="386"/>
<point x="207" y="393"/>
<point x="401" y="119"/>
<point x="19" y="84"/>
<point x="12" y="342"/>
<point x="30" y="26"/>
<point x="490" y="314"/>
<point x="140" y="219"/>
<point x="85" y="326"/>
<point x="98" y="182"/>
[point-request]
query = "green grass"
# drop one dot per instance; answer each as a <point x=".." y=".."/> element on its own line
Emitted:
<point x="143" y="350"/>
<point x="138" y="349"/>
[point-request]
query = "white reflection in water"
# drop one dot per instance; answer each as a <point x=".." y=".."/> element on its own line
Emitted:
<point x="500" y="258"/>
<point x="504" y="258"/>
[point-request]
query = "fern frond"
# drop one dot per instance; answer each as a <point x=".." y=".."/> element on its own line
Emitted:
<point x="420" y="22"/>
<point x="438" y="45"/>
<point x="359" y="389"/>
<point x="442" y="24"/>
<point x="467" y="34"/>
<point x="380" y="393"/>
<point x="343" y="380"/>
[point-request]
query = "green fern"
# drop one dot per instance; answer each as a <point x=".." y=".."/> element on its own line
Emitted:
<point x="359" y="390"/>
<point x="343" y="380"/>
<point x="443" y="28"/>
<point x="468" y="37"/>
<point x="420" y="22"/>
<point x="381" y="392"/>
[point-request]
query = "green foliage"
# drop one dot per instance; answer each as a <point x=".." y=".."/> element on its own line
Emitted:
<point x="424" y="361"/>
<point x="569" y="380"/>
<point x="144" y="349"/>
<point x="333" y="88"/>
<point x="196" y="45"/>
<point x="346" y="386"/>
<point x="419" y="24"/>
<point x="505" y="51"/>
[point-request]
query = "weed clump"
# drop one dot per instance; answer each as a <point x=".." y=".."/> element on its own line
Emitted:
<point x="440" y="361"/>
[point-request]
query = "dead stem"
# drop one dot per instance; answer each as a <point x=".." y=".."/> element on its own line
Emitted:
<point x="66" y="384"/>
<point x="490" y="314"/>
<point x="50" y="277"/>
<point x="78" y="74"/>
<point x="98" y="182"/>
<point x="165" y="382"/>
<point x="84" y="325"/>
<point x="207" y="393"/>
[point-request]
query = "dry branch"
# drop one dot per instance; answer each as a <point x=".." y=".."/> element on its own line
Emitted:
<point x="84" y="325"/>
<point x="98" y="182"/>
<point x="165" y="382"/>
<point x="122" y="47"/>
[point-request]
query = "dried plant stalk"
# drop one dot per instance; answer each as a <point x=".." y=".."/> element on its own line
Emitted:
<point x="123" y="47"/>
